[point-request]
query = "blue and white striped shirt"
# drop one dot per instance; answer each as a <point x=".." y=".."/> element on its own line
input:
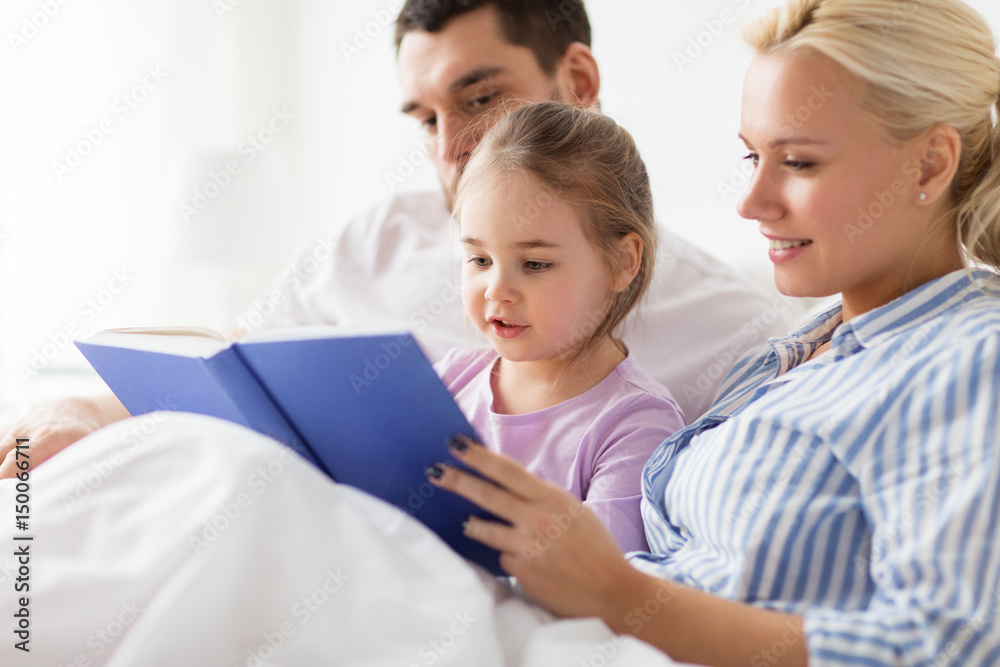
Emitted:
<point x="860" y="489"/>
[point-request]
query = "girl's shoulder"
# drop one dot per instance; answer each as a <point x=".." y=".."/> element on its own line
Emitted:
<point x="636" y="390"/>
<point x="461" y="364"/>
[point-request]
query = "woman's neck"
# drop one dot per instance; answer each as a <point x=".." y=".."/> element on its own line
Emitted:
<point x="932" y="262"/>
<point x="521" y="387"/>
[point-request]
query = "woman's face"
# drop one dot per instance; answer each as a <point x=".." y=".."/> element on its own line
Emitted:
<point x="838" y="200"/>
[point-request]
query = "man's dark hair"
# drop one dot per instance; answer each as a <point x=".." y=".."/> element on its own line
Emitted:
<point x="547" y="27"/>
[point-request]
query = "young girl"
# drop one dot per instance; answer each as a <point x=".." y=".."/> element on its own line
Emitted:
<point x="558" y="244"/>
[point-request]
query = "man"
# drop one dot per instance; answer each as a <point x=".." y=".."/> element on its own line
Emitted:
<point x="461" y="64"/>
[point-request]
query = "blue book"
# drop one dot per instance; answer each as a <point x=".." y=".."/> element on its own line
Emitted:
<point x="366" y="409"/>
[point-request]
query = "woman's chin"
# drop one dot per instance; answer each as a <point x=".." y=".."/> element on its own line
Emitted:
<point x="801" y="289"/>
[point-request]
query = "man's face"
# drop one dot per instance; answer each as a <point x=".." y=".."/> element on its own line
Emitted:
<point x="459" y="81"/>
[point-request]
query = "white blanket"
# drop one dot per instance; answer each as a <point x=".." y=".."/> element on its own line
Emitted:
<point x="183" y="540"/>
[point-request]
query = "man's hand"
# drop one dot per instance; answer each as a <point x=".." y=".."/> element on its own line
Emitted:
<point x="54" y="425"/>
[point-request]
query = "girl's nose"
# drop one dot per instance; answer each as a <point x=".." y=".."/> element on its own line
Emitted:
<point x="500" y="287"/>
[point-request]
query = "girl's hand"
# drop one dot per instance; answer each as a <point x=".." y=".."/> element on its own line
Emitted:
<point x="561" y="554"/>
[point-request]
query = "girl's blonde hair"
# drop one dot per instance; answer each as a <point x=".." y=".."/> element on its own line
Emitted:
<point x="588" y="161"/>
<point x="921" y="63"/>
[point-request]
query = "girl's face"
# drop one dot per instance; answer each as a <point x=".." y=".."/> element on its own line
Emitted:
<point x="837" y="199"/>
<point x="531" y="282"/>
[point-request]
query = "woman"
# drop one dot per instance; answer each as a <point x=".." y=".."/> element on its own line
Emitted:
<point x="834" y="506"/>
<point x="844" y="484"/>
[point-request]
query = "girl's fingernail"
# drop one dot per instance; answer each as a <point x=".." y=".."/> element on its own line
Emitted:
<point x="458" y="444"/>
<point x="434" y="471"/>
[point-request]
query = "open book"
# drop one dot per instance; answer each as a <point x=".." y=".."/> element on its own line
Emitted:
<point x="366" y="408"/>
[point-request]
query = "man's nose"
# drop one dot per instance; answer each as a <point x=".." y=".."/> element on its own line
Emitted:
<point x="456" y="139"/>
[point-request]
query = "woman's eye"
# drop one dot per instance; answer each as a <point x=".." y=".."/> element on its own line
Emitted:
<point x="430" y="124"/>
<point x="536" y="266"/>
<point x="753" y="158"/>
<point x="479" y="262"/>
<point x="798" y="165"/>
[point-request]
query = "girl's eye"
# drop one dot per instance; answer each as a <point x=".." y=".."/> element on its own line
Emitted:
<point x="430" y="124"/>
<point x="536" y="267"/>
<point x="479" y="262"/>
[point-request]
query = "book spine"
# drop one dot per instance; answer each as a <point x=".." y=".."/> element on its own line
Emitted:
<point x="250" y="397"/>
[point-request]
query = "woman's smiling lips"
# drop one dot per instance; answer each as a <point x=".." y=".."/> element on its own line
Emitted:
<point x="784" y="250"/>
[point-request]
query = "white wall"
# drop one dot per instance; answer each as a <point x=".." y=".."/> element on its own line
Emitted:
<point x="220" y="76"/>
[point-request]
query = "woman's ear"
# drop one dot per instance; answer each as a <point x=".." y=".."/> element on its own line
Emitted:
<point x="940" y="157"/>
<point x="630" y="255"/>
<point x="578" y="76"/>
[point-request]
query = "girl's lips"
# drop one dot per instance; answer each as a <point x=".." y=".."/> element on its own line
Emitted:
<point x="506" y="332"/>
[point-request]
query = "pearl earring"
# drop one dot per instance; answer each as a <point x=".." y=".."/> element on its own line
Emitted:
<point x="923" y="196"/>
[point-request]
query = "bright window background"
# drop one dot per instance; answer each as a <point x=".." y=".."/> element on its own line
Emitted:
<point x="142" y="102"/>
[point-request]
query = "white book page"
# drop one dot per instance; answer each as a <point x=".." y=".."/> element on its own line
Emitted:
<point x="187" y="341"/>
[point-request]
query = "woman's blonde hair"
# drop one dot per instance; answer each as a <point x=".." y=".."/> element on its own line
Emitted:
<point x="922" y="63"/>
<point x="588" y="161"/>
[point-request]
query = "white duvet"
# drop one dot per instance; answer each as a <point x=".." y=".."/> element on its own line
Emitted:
<point x="185" y="541"/>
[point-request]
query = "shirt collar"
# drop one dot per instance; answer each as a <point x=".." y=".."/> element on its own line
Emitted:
<point x="910" y="311"/>
<point x="918" y="306"/>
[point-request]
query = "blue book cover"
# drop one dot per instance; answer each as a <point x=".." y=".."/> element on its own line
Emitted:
<point x="367" y="409"/>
